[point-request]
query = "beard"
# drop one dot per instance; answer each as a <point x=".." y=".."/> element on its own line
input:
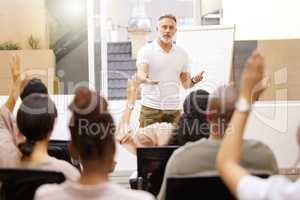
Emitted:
<point x="166" y="39"/>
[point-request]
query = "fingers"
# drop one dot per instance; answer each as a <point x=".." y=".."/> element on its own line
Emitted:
<point x="198" y="77"/>
<point x="201" y="73"/>
<point x="152" y="82"/>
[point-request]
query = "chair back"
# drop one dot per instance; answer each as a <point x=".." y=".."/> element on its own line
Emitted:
<point x="204" y="186"/>
<point x="22" y="183"/>
<point x="151" y="164"/>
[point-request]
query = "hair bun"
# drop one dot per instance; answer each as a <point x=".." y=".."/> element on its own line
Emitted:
<point x="26" y="148"/>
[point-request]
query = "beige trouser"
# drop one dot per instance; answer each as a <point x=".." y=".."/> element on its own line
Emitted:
<point x="151" y="115"/>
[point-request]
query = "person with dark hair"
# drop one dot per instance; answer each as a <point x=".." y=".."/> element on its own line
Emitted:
<point x="34" y="85"/>
<point x="8" y="129"/>
<point x="236" y="177"/>
<point x="192" y="125"/>
<point x="162" y="66"/>
<point x="35" y="119"/>
<point x="200" y="156"/>
<point x="92" y="131"/>
<point x="22" y="87"/>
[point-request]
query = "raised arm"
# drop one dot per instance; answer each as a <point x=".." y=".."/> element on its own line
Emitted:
<point x="124" y="132"/>
<point x="18" y="82"/>
<point x="230" y="151"/>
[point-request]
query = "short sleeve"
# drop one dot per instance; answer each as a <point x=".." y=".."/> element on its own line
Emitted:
<point x="186" y="62"/>
<point x="143" y="56"/>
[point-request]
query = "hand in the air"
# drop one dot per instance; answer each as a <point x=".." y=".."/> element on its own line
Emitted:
<point x="252" y="83"/>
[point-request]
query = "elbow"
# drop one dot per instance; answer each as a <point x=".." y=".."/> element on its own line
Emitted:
<point x="185" y="85"/>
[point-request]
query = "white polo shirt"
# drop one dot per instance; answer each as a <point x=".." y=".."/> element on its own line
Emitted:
<point x="274" y="188"/>
<point x="166" y="68"/>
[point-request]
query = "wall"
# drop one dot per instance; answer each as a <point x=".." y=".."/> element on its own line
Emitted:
<point x="19" y="19"/>
<point x="120" y="11"/>
<point x="267" y="19"/>
<point x="282" y="59"/>
<point x="35" y="63"/>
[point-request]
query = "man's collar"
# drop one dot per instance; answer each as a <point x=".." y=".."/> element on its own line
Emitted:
<point x="159" y="48"/>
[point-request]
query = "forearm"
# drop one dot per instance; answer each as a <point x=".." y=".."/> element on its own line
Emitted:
<point x="233" y="139"/>
<point x="11" y="101"/>
<point x="229" y="153"/>
<point x="186" y="81"/>
<point x="126" y="116"/>
<point x="187" y="84"/>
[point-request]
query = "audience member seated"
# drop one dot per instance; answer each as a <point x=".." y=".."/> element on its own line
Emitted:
<point x="239" y="181"/>
<point x="9" y="136"/>
<point x="21" y="87"/>
<point x="160" y="134"/>
<point x="35" y="119"/>
<point x="192" y="124"/>
<point x="200" y="156"/>
<point x="92" y="133"/>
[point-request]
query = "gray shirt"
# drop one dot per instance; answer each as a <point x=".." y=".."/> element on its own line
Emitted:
<point x="200" y="156"/>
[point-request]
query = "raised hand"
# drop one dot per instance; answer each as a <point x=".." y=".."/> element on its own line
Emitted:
<point x="19" y="79"/>
<point x="15" y="67"/>
<point x="252" y="76"/>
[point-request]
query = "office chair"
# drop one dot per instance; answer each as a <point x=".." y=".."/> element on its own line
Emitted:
<point x="60" y="150"/>
<point x="204" y="186"/>
<point x="22" y="183"/>
<point x="151" y="164"/>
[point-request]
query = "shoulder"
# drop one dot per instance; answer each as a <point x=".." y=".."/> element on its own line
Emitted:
<point x="48" y="190"/>
<point x="192" y="146"/>
<point x="148" y="47"/>
<point x="69" y="170"/>
<point x="257" y="146"/>
<point x="124" y="193"/>
<point x="187" y="149"/>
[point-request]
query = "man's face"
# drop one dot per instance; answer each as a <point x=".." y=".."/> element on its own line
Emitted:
<point x="166" y="29"/>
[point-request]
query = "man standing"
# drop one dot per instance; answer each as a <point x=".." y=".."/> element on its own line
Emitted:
<point x="162" y="66"/>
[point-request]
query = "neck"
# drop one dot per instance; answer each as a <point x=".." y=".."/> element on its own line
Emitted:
<point x="93" y="173"/>
<point x="39" y="153"/>
<point x="165" y="46"/>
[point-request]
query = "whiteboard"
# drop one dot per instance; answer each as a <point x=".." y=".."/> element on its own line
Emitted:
<point x="210" y="48"/>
